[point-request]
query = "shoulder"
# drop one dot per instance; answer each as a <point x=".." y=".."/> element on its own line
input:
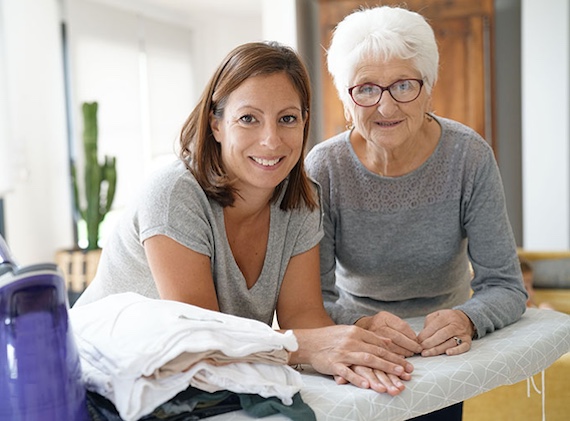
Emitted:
<point x="325" y="156"/>
<point x="462" y="142"/>
<point x="336" y="143"/>
<point x="171" y="180"/>
<point x="174" y="204"/>
<point x="172" y="190"/>
<point x="172" y="174"/>
<point x="460" y="134"/>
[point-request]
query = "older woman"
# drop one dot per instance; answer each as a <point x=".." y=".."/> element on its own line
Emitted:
<point x="410" y="198"/>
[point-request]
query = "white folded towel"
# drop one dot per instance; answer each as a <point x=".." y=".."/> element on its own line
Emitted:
<point x="140" y="352"/>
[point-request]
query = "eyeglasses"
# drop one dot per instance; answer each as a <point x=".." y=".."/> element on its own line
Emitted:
<point x="369" y="94"/>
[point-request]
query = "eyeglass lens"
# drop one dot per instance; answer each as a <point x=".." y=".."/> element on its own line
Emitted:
<point x="369" y="94"/>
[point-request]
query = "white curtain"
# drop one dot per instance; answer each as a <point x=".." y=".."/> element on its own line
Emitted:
<point x="139" y="70"/>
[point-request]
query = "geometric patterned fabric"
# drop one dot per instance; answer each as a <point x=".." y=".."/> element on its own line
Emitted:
<point x="506" y="356"/>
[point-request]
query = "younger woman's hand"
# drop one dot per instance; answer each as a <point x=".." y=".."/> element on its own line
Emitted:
<point x="354" y="354"/>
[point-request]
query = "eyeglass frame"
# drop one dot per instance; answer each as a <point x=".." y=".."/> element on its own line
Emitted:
<point x="386" y="88"/>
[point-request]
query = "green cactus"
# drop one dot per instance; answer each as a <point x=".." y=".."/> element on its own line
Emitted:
<point x="100" y="179"/>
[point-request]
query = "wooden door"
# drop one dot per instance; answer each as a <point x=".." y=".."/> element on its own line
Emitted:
<point x="463" y="30"/>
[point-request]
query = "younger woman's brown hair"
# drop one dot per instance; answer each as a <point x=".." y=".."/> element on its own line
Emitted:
<point x="200" y="151"/>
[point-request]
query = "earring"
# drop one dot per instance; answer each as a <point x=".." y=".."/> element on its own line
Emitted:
<point x="349" y="125"/>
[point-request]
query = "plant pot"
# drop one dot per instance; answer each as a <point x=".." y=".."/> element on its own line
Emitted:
<point x="78" y="267"/>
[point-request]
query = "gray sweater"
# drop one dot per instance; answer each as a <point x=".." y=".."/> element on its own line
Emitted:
<point x="173" y="204"/>
<point x="403" y="244"/>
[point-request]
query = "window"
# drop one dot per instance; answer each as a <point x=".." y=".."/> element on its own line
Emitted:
<point x="140" y="72"/>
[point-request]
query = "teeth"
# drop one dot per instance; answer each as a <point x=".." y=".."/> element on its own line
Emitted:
<point x="266" y="162"/>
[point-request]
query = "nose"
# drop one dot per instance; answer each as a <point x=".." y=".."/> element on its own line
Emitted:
<point x="270" y="136"/>
<point x="387" y="105"/>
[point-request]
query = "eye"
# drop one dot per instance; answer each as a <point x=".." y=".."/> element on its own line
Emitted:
<point x="248" y="119"/>
<point x="403" y="85"/>
<point x="367" y="89"/>
<point x="289" y="119"/>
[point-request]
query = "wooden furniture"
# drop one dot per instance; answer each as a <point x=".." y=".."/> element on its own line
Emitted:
<point x="464" y="32"/>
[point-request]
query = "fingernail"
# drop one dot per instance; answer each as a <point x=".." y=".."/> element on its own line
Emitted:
<point x="399" y="369"/>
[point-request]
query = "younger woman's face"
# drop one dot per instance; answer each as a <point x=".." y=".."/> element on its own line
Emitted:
<point x="261" y="132"/>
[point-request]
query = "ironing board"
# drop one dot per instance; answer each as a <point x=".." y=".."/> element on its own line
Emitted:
<point x="506" y="356"/>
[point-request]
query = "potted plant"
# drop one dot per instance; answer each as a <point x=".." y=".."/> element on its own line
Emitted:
<point x="98" y="188"/>
<point x="100" y="179"/>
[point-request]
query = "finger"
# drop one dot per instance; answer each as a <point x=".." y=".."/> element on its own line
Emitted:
<point x="371" y="341"/>
<point x="368" y="359"/>
<point x="449" y="347"/>
<point x="405" y="329"/>
<point x="373" y="380"/>
<point x="451" y="322"/>
<point x="433" y="324"/>
<point x="350" y="376"/>
<point x="460" y="348"/>
<point x="393" y="385"/>
<point x="438" y="338"/>
<point x="340" y="380"/>
<point x="400" y="343"/>
<point x="404" y="346"/>
<point x="395" y="328"/>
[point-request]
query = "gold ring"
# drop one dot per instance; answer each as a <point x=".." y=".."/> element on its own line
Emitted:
<point x="457" y="340"/>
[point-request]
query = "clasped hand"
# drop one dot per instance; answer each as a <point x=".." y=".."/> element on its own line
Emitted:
<point x="445" y="332"/>
<point x="353" y="355"/>
<point x="372" y="353"/>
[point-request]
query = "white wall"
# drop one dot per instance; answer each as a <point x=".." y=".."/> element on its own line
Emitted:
<point x="37" y="210"/>
<point x="546" y="124"/>
<point x="6" y="167"/>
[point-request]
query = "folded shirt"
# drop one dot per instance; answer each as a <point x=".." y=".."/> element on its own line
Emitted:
<point x="140" y="352"/>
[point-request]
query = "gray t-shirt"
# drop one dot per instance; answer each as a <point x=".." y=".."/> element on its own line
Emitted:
<point x="173" y="204"/>
<point x="403" y="244"/>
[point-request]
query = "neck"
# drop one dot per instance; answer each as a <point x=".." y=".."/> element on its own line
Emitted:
<point x="400" y="160"/>
<point x="244" y="211"/>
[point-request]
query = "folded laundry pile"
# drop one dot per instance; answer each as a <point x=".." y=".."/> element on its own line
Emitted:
<point x="138" y="353"/>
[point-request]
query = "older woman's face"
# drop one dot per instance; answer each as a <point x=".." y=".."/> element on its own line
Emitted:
<point x="389" y="124"/>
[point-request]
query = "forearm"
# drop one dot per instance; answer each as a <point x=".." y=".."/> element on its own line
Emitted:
<point x="303" y="353"/>
<point x="305" y="319"/>
<point x="494" y="309"/>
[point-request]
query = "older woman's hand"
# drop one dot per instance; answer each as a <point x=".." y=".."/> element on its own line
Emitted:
<point x="348" y="352"/>
<point x="446" y="332"/>
<point x="403" y="339"/>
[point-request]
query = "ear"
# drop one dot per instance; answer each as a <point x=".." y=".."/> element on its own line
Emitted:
<point x="215" y="126"/>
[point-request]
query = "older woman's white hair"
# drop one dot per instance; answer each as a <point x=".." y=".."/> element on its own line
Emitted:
<point x="382" y="33"/>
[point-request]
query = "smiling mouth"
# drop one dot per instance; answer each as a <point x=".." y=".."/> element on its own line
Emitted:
<point x="266" y="162"/>
<point x="388" y="123"/>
